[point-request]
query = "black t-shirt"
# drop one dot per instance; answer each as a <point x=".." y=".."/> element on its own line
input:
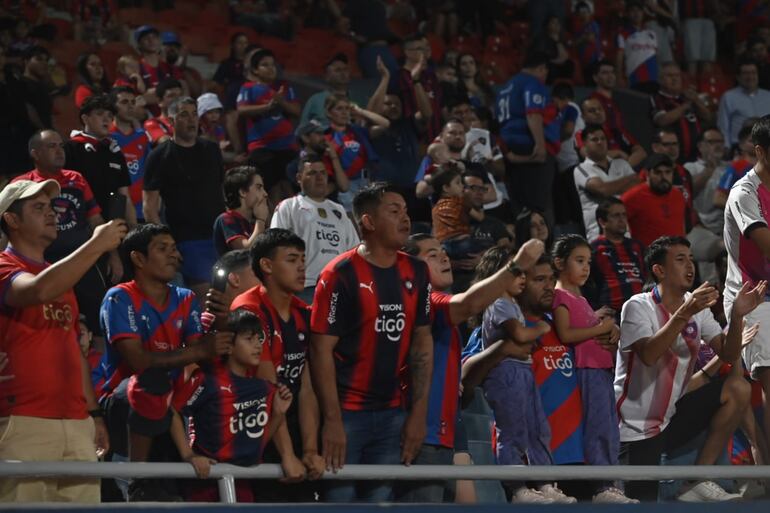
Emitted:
<point x="190" y="183"/>
<point x="38" y="95"/>
<point x="101" y="163"/>
<point x="489" y="231"/>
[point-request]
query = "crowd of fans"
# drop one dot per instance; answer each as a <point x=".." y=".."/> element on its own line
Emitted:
<point x="223" y="271"/>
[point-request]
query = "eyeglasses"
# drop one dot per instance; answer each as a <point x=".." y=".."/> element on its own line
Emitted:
<point x="476" y="188"/>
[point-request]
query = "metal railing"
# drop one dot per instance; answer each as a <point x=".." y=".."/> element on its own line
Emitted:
<point x="226" y="474"/>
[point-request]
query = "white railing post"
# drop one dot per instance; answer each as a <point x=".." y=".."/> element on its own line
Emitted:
<point x="226" y="485"/>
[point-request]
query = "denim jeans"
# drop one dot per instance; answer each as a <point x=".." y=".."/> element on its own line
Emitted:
<point x="426" y="492"/>
<point x="373" y="438"/>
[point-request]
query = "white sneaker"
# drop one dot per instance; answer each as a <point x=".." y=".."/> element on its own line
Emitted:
<point x="613" y="496"/>
<point x="707" y="491"/>
<point x="529" y="496"/>
<point x="550" y="491"/>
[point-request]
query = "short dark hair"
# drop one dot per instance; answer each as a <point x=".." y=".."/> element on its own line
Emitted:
<point x="746" y="131"/>
<point x="257" y="56"/>
<point x="165" y="85"/>
<point x="234" y="260"/>
<point x="308" y="157"/>
<point x="115" y="91"/>
<point x="603" y="210"/>
<point x="411" y="38"/>
<point x="657" y="135"/>
<point x="237" y="179"/>
<point x="745" y="61"/>
<point x="412" y="243"/>
<point x="760" y="133"/>
<point x="34" y="51"/>
<point x="96" y="102"/>
<point x="476" y="170"/>
<point x="523" y="226"/>
<point x="658" y="249"/>
<point x="441" y="178"/>
<point x="589" y="129"/>
<point x="563" y="90"/>
<point x="598" y="66"/>
<point x="17" y="208"/>
<point x="457" y="100"/>
<point x="267" y="242"/>
<point x="369" y="198"/>
<point x="244" y="321"/>
<point x="566" y="244"/>
<point x="139" y="239"/>
<point x="535" y="58"/>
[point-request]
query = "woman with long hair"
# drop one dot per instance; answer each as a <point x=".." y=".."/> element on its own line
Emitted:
<point x="471" y="84"/>
<point x="92" y="77"/>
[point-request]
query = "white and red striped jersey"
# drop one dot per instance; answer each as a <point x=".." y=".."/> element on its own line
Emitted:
<point x="646" y="395"/>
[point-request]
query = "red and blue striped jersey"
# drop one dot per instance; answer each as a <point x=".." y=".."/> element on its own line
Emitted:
<point x="126" y="313"/>
<point x="617" y="269"/>
<point x="229" y="226"/>
<point x="554" y="369"/>
<point x="286" y="340"/>
<point x="589" y="50"/>
<point x="229" y="414"/>
<point x="688" y="128"/>
<point x="444" y="394"/>
<point x="353" y="148"/>
<point x="618" y="138"/>
<point x="373" y="311"/>
<point x="272" y="131"/>
<point x="135" y="148"/>
<point x="433" y="90"/>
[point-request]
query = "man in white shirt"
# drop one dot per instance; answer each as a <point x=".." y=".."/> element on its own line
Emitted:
<point x="747" y="239"/>
<point x="320" y="222"/>
<point x="661" y="405"/>
<point x="599" y="177"/>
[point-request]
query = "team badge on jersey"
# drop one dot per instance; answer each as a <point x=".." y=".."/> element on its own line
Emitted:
<point x="322" y="213"/>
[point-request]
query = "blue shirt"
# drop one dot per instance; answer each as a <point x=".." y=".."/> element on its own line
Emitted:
<point x="525" y="94"/>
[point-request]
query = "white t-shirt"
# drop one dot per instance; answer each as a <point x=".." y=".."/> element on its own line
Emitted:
<point x="747" y="205"/>
<point x="325" y="228"/>
<point x="584" y="172"/>
<point x="646" y="395"/>
<point x="712" y="217"/>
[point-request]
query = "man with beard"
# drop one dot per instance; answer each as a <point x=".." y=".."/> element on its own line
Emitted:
<point x="337" y="80"/>
<point x="655" y="208"/>
<point x="446" y="441"/>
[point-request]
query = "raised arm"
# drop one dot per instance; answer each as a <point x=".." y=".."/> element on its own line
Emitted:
<point x="34" y="289"/>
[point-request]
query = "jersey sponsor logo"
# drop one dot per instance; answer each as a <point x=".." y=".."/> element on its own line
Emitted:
<point x="369" y="287"/>
<point x="392" y="326"/>
<point x="131" y="317"/>
<point x="253" y="424"/>
<point x="332" y="237"/>
<point x="561" y="363"/>
<point x="59" y="313"/>
<point x="161" y="346"/>
<point x="332" y="317"/>
<point x="353" y="146"/>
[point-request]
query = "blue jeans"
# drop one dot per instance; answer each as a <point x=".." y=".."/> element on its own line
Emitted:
<point x="426" y="492"/>
<point x="373" y="438"/>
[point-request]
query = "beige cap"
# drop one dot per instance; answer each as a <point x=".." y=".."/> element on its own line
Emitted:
<point x="24" y="189"/>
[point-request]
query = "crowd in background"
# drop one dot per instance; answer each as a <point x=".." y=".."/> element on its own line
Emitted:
<point x="536" y="207"/>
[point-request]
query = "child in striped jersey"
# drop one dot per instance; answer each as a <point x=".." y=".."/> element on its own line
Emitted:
<point x="233" y="414"/>
<point x="577" y="323"/>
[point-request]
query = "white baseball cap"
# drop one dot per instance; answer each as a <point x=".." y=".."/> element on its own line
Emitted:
<point x="24" y="189"/>
<point x="208" y="102"/>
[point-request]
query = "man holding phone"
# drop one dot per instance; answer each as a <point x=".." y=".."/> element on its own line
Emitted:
<point x="78" y="214"/>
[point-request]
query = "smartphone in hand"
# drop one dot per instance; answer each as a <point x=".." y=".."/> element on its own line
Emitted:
<point x="116" y="207"/>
